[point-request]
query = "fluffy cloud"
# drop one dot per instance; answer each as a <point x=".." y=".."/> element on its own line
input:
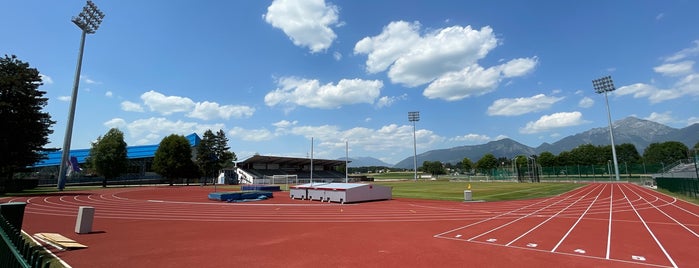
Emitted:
<point x="131" y="106"/>
<point x="553" y="121"/>
<point x="520" y="106"/>
<point x="446" y="59"/>
<point x="654" y="94"/>
<point x="211" y="110"/>
<point x="294" y="91"/>
<point x="675" y="69"/>
<point x="306" y="22"/>
<point x="387" y="101"/>
<point x="254" y="135"/>
<point x="152" y="130"/>
<point x="166" y="105"/>
<point x="687" y="83"/>
<point x="586" y="102"/>
<point x="663" y="118"/>
<point x="472" y="138"/>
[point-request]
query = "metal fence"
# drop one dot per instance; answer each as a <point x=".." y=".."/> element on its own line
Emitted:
<point x="15" y="251"/>
<point x="685" y="186"/>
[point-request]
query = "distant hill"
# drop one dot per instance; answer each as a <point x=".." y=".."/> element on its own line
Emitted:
<point x="366" y="162"/>
<point x="638" y="132"/>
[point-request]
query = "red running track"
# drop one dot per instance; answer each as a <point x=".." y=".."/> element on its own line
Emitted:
<point x="610" y="225"/>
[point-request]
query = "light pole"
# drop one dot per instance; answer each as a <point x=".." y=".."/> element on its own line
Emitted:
<point x="88" y="21"/>
<point x="604" y="85"/>
<point x="414" y="117"/>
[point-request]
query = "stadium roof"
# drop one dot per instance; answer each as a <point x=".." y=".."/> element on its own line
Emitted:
<point x="289" y="161"/>
<point x="132" y="152"/>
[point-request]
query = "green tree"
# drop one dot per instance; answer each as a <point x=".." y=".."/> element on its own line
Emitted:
<point x="487" y="163"/>
<point x="467" y="165"/>
<point x="173" y="158"/>
<point x="564" y="158"/>
<point x="108" y="155"/>
<point x="213" y="153"/>
<point x="667" y="152"/>
<point x="547" y="159"/>
<point x="433" y="167"/>
<point x="25" y="127"/>
<point x="627" y="153"/>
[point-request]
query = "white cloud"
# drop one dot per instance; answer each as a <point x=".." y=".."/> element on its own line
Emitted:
<point x="654" y="95"/>
<point x="306" y="22"/>
<point x="520" y="106"/>
<point x="388" y="137"/>
<point x="663" y="118"/>
<point x="470" y="81"/>
<point x="692" y="120"/>
<point x="47" y="80"/>
<point x="152" y="130"/>
<point x="586" y="102"/>
<point x="295" y="91"/>
<point x="660" y="16"/>
<point x="211" y="110"/>
<point x="165" y="105"/>
<point x="253" y="135"/>
<point x="387" y="101"/>
<point x="131" y="106"/>
<point x="445" y="58"/>
<point x="553" y="121"/>
<point x="89" y="81"/>
<point x="115" y="123"/>
<point x="685" y="53"/>
<point x="108" y="94"/>
<point x="675" y="69"/>
<point x="285" y="124"/>
<point x="382" y="50"/>
<point x="472" y="138"/>
<point x="64" y="98"/>
<point x="337" y="56"/>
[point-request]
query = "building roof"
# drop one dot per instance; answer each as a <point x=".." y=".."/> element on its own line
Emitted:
<point x="132" y="152"/>
<point x="289" y="161"/>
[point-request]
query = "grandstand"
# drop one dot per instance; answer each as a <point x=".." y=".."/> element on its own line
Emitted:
<point x="262" y="169"/>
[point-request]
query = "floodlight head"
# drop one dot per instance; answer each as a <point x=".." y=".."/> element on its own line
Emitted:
<point x="89" y="19"/>
<point x="413" y="116"/>
<point x="604" y="84"/>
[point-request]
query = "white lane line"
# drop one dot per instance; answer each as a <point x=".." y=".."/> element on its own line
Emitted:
<point x="553" y="216"/>
<point x="663" y="212"/>
<point x="492" y="218"/>
<point x="609" y="227"/>
<point x="651" y="232"/>
<point x="513" y="221"/>
<point x="579" y="219"/>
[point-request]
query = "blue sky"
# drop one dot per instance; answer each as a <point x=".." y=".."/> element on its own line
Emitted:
<point x="274" y="74"/>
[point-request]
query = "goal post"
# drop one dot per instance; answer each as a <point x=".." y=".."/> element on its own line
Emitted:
<point x="283" y="179"/>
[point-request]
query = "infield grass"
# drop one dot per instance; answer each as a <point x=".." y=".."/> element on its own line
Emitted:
<point x="486" y="191"/>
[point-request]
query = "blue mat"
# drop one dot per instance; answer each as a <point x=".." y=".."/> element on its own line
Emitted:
<point x="243" y="195"/>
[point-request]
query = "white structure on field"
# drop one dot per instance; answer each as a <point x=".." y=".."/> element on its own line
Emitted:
<point x="341" y="192"/>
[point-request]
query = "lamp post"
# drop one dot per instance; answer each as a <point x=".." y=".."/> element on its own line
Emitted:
<point x="88" y="21"/>
<point x="604" y="85"/>
<point x="414" y="117"/>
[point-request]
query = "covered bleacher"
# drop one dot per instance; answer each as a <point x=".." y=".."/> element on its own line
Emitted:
<point x="258" y="169"/>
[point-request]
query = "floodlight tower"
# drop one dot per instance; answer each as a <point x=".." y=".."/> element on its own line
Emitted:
<point x="414" y="117"/>
<point x="604" y="85"/>
<point x="88" y="21"/>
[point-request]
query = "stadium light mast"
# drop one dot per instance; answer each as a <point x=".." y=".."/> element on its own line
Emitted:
<point x="414" y="117"/>
<point x="88" y="21"/>
<point x="604" y="85"/>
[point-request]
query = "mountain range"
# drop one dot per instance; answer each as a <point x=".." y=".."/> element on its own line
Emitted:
<point x="638" y="132"/>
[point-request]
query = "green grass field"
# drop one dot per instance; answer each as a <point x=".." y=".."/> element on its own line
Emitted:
<point x="486" y="191"/>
